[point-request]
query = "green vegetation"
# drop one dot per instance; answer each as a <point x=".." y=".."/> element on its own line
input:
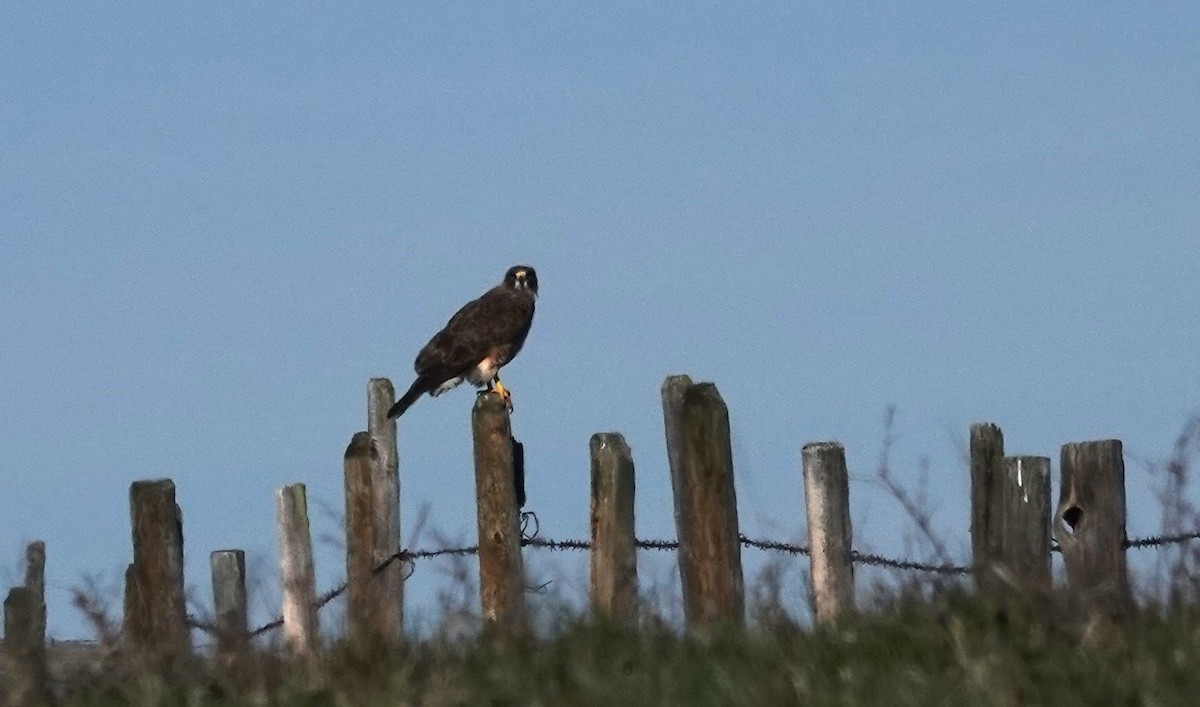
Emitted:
<point x="948" y="651"/>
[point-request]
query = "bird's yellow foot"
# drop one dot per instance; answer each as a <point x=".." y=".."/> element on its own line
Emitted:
<point x="504" y="394"/>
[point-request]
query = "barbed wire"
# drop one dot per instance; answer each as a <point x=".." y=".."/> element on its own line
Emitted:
<point x="409" y="557"/>
<point x="865" y="558"/>
<point x="1157" y="540"/>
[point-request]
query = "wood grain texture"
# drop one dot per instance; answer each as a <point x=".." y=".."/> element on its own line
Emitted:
<point x="363" y="588"/>
<point x="1020" y="562"/>
<point x="385" y="490"/>
<point x="1089" y="524"/>
<point x="35" y="581"/>
<point x="228" y="568"/>
<point x="827" y="501"/>
<point x="614" y="582"/>
<point x="296" y="571"/>
<point x="501" y="574"/>
<point x="712" y="555"/>
<point x="23" y="655"/>
<point x="987" y="454"/>
<point x="155" y="605"/>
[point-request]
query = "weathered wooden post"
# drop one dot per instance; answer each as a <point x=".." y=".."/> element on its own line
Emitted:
<point x="827" y="500"/>
<point x="673" y="389"/>
<point x="614" y="583"/>
<point x="1090" y="524"/>
<point x="35" y="581"/>
<point x="155" y="608"/>
<point x="1010" y="517"/>
<point x="228" y="568"/>
<point x="362" y="587"/>
<point x="23" y="664"/>
<point x="1019" y="514"/>
<point x="987" y="455"/>
<point x="296" y="570"/>
<point x="229" y="599"/>
<point x="710" y="553"/>
<point x="385" y="489"/>
<point x="501" y="590"/>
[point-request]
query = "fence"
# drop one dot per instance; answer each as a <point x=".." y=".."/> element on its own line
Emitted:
<point x="1013" y="527"/>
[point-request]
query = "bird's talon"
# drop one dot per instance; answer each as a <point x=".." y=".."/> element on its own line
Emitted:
<point x="495" y="386"/>
<point x="504" y="394"/>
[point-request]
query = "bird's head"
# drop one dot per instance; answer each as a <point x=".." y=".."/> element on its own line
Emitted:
<point x="522" y="277"/>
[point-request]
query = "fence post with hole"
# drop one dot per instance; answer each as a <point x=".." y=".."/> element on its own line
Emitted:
<point x="614" y="583"/>
<point x="296" y="571"/>
<point x="229" y="600"/>
<point x="501" y="588"/>
<point x="385" y="489"/>
<point x="1089" y="525"/>
<point x="699" y="450"/>
<point x="362" y="595"/>
<point x="827" y="501"/>
<point x="155" y="608"/>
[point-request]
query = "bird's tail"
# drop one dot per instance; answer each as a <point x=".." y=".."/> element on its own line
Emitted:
<point x="419" y="387"/>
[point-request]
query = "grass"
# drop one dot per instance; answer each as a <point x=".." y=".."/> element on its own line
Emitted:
<point x="952" y="650"/>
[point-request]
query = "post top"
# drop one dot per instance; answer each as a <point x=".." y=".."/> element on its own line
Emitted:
<point x="678" y="380"/>
<point x="490" y="402"/>
<point x="616" y="440"/>
<point x="361" y="446"/>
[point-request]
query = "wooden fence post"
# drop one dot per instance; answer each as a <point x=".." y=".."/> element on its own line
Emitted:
<point x="673" y="389"/>
<point x="987" y="459"/>
<point x="385" y="489"/>
<point x="827" y="500"/>
<point x="501" y="589"/>
<point x="24" y="655"/>
<point x="229" y="599"/>
<point x="614" y="583"/>
<point x="155" y="608"/>
<point x="710" y="553"/>
<point x="35" y="581"/>
<point x="1090" y="524"/>
<point x="1010" y="516"/>
<point x="362" y="595"/>
<point x="296" y="570"/>
<point x="1017" y="507"/>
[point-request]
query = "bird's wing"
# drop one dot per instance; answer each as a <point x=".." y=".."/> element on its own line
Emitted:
<point x="495" y="324"/>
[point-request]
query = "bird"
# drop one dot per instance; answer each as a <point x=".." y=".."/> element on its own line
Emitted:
<point x="481" y="337"/>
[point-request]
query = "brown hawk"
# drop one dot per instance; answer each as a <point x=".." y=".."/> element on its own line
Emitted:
<point x="477" y="341"/>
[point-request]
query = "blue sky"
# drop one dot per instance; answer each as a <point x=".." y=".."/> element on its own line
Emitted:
<point x="217" y="222"/>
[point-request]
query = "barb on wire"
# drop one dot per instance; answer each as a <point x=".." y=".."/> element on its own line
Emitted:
<point x="555" y="545"/>
<point x="657" y="544"/>
<point x="774" y="545"/>
<point x="1137" y="543"/>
